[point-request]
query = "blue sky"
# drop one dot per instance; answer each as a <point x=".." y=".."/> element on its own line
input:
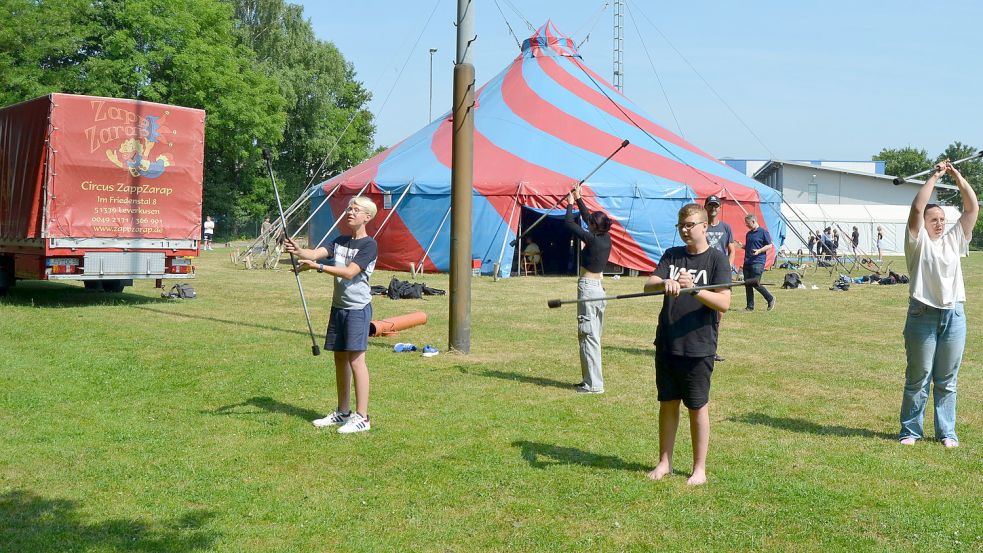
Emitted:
<point x="813" y="80"/>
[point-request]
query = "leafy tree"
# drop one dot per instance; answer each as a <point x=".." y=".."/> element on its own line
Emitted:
<point x="973" y="171"/>
<point x="321" y="95"/>
<point x="902" y="162"/>
<point x="182" y="52"/>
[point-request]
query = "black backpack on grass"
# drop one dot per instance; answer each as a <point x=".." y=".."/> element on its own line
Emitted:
<point x="181" y="291"/>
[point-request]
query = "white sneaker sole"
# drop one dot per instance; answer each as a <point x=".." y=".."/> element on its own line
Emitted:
<point x="352" y="430"/>
<point x="324" y="423"/>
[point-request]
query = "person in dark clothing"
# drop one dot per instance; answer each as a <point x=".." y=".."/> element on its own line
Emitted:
<point x="855" y="240"/>
<point x="686" y="337"/>
<point x="720" y="236"/>
<point x="756" y="246"/>
<point x="590" y="315"/>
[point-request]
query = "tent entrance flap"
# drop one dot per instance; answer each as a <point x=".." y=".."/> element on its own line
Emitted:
<point x="555" y="241"/>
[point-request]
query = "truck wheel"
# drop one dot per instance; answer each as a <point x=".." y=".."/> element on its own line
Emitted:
<point x="6" y="274"/>
<point x="92" y="284"/>
<point x="113" y="286"/>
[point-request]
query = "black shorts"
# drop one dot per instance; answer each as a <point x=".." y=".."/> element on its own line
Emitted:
<point x="685" y="378"/>
<point x="348" y="329"/>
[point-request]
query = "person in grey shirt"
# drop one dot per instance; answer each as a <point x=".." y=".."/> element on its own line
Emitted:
<point x="352" y="260"/>
<point x="721" y="237"/>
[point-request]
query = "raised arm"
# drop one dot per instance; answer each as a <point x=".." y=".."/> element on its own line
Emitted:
<point x="971" y="206"/>
<point x="581" y="206"/>
<point x="916" y="216"/>
<point x="572" y="224"/>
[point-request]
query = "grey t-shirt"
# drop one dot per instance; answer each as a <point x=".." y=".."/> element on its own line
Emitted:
<point x="720" y="236"/>
<point x="355" y="293"/>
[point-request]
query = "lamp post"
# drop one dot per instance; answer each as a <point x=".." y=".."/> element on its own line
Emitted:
<point x="432" y="52"/>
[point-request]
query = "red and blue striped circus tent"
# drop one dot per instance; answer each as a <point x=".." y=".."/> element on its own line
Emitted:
<point x="541" y="125"/>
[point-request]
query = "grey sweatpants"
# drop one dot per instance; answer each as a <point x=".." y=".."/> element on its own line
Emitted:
<point x="590" y="321"/>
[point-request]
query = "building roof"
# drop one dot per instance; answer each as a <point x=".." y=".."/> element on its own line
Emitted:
<point x="775" y="164"/>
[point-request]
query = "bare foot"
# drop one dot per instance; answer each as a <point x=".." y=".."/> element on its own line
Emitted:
<point x="660" y="471"/>
<point x="698" y="479"/>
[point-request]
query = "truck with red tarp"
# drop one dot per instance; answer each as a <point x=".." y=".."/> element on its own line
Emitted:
<point x="101" y="190"/>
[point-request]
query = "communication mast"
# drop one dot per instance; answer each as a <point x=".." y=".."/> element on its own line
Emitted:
<point x="619" y="45"/>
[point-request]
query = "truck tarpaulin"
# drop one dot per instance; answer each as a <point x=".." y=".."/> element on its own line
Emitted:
<point x="125" y="169"/>
<point x="23" y="130"/>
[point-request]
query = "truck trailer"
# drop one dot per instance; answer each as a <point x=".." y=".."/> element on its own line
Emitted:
<point x="100" y="190"/>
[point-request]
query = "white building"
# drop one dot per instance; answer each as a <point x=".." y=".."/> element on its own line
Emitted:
<point x="844" y="194"/>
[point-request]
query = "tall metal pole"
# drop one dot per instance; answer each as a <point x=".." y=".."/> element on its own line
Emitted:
<point x="619" y="46"/>
<point x="462" y="173"/>
<point x="430" y="112"/>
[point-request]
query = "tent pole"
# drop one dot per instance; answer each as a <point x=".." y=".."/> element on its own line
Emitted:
<point x="501" y="255"/>
<point x="859" y="249"/>
<point x="393" y="210"/>
<point x="426" y="252"/>
<point x="316" y="209"/>
<point x="277" y="225"/>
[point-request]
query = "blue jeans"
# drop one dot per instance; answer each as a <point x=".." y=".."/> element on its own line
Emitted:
<point x="934" y="340"/>
<point x="755" y="271"/>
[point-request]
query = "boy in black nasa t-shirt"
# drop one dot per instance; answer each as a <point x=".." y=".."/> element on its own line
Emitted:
<point x="686" y="338"/>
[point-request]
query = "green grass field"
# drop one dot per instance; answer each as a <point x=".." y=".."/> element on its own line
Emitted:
<point x="134" y="423"/>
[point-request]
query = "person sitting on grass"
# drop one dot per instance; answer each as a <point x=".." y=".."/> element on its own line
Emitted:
<point x="935" y="329"/>
<point x="686" y="337"/>
<point x="354" y="256"/>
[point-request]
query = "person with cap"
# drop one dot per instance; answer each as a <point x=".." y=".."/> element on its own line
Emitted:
<point x="721" y="237"/>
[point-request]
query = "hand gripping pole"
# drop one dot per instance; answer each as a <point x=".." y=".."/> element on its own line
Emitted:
<point x="902" y="180"/>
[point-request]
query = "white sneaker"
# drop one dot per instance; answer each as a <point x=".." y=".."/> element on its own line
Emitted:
<point x="335" y="418"/>
<point x="356" y="423"/>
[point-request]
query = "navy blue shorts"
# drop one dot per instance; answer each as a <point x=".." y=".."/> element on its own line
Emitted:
<point x="685" y="378"/>
<point x="348" y="329"/>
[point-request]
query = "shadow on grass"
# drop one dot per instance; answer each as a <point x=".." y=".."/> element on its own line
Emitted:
<point x="541" y="456"/>
<point x="809" y="427"/>
<point x="268" y="405"/>
<point x="518" y="377"/>
<point x="233" y="323"/>
<point x="648" y="353"/>
<point x="29" y="522"/>
<point x="61" y="295"/>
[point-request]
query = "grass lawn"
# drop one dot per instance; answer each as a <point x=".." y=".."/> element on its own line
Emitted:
<point x="134" y="423"/>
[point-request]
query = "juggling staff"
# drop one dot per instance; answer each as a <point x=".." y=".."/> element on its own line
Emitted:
<point x="546" y="214"/>
<point x="902" y="180"/>
<point x="553" y="304"/>
<point x="293" y="261"/>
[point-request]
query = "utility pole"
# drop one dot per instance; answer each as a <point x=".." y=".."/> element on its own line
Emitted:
<point x="462" y="176"/>
<point x="430" y="116"/>
<point x="619" y="45"/>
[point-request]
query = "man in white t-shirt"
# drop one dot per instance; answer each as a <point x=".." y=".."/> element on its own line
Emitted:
<point x="935" y="329"/>
<point x="208" y="230"/>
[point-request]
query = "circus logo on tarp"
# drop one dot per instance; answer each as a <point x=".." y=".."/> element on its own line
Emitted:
<point x="133" y="142"/>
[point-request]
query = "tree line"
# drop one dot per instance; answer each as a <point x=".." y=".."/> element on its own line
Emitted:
<point x="909" y="160"/>
<point x="255" y="67"/>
